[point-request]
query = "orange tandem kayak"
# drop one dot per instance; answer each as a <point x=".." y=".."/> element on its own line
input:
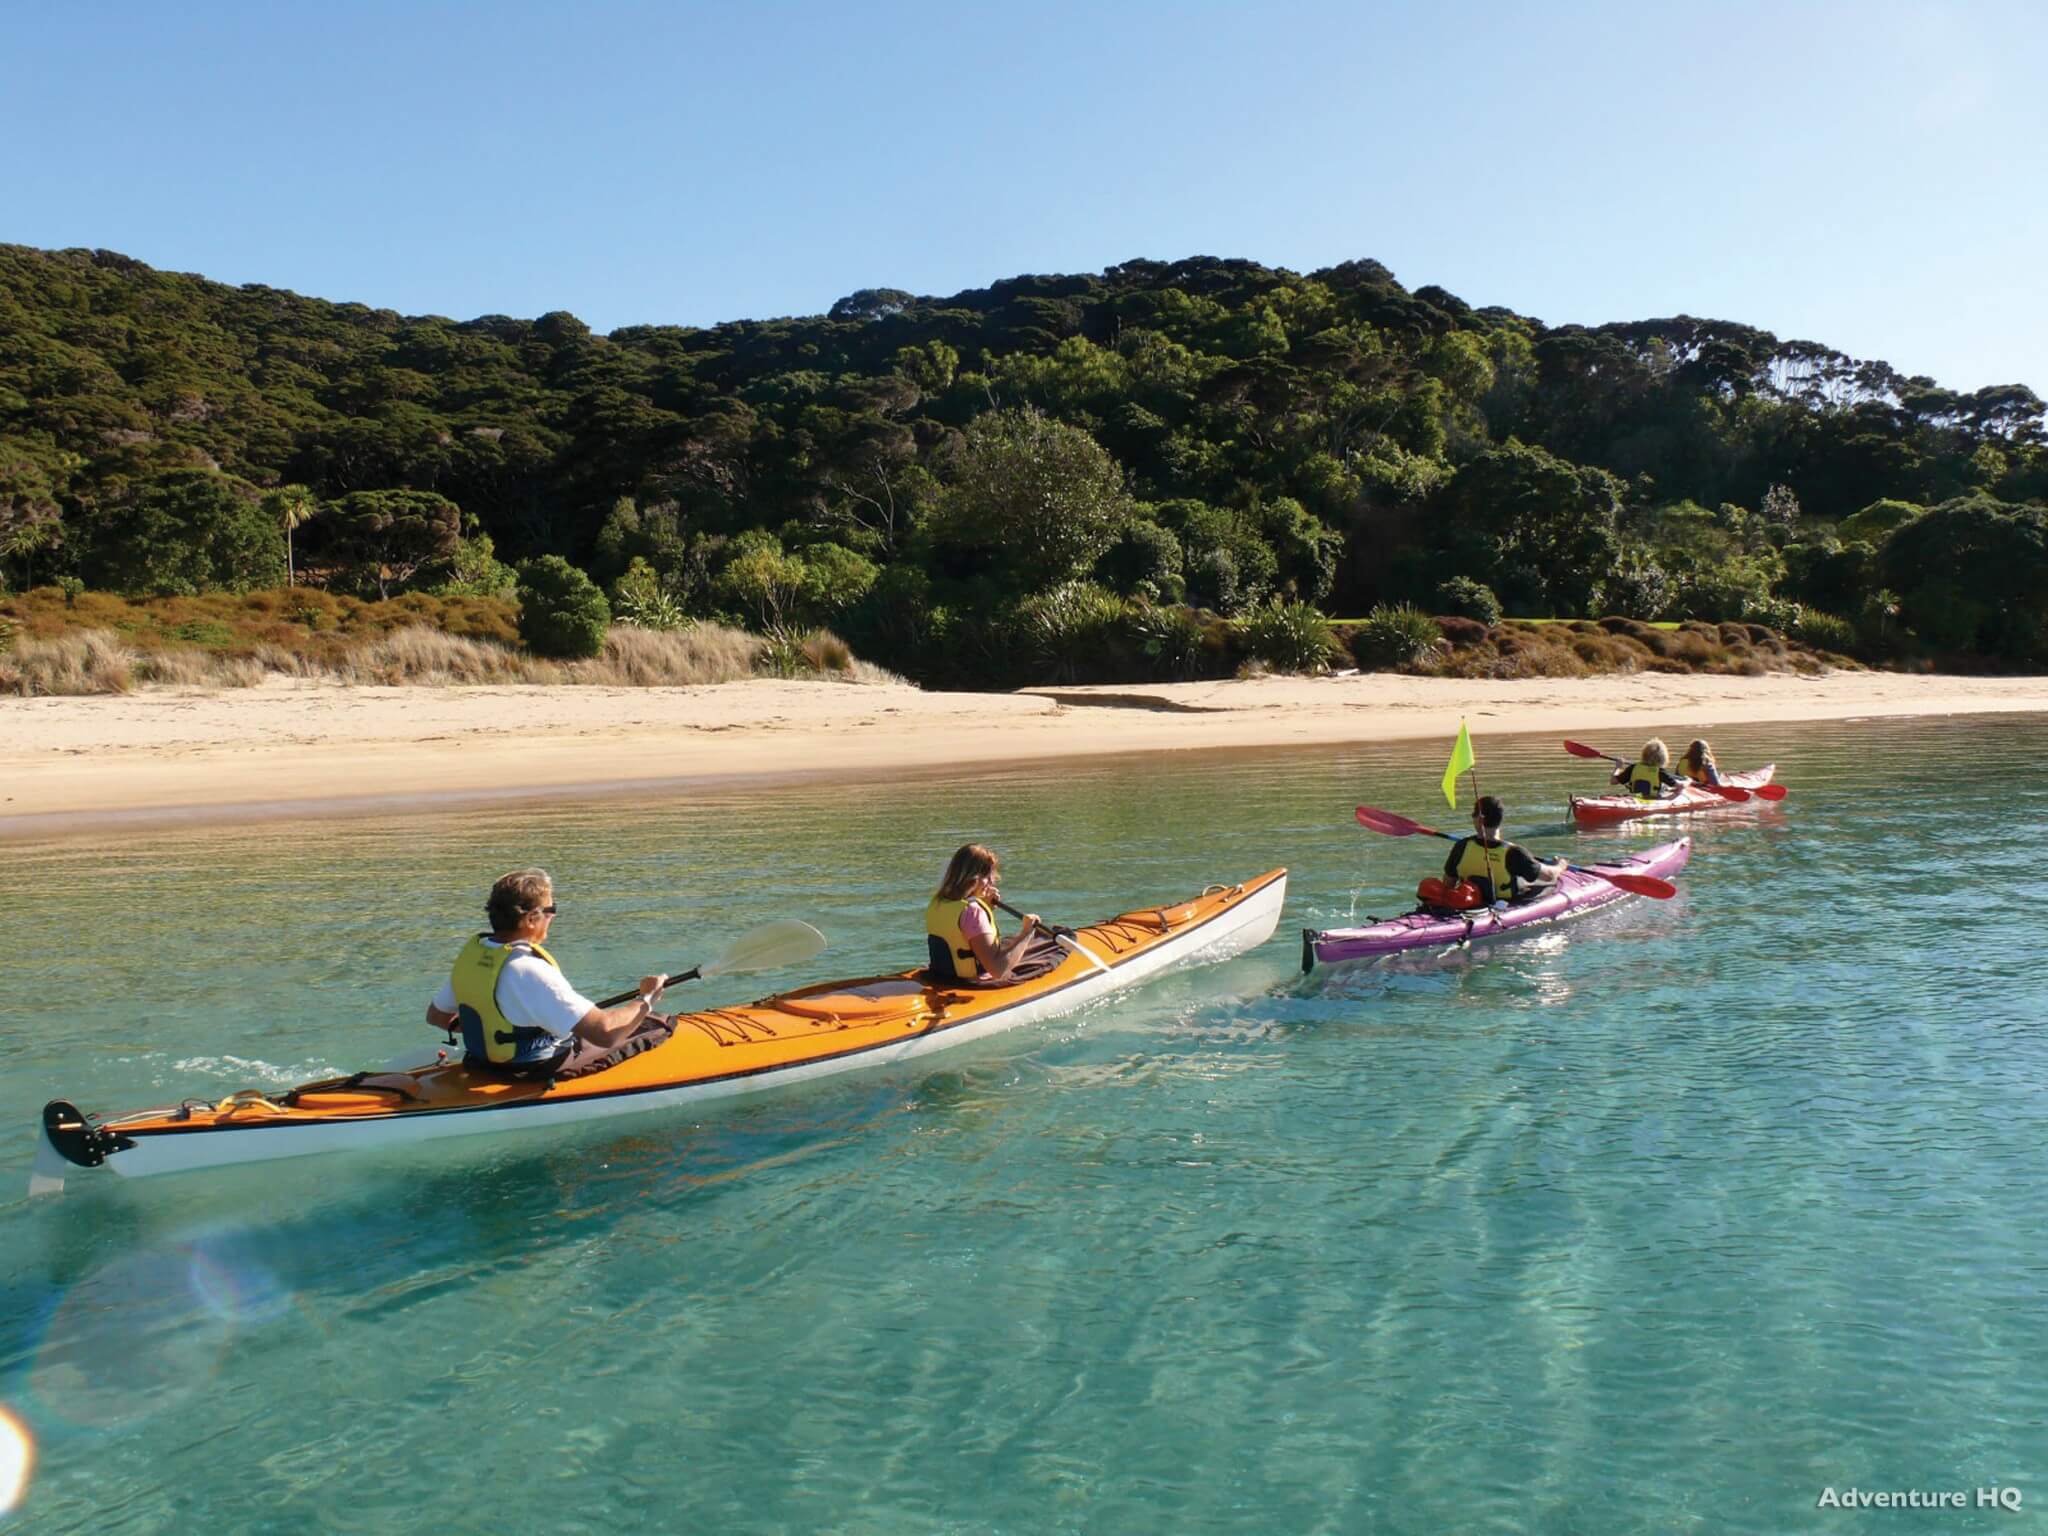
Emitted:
<point x="812" y="1032"/>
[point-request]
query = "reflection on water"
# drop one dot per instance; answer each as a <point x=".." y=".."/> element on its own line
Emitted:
<point x="1665" y="1219"/>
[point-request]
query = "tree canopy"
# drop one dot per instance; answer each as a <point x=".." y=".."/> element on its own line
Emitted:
<point x="1328" y="435"/>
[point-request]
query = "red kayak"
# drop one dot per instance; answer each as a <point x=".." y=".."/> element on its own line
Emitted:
<point x="1609" y="810"/>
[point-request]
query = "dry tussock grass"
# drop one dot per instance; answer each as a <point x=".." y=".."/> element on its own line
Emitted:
<point x="93" y="661"/>
<point x="420" y="656"/>
<point x="90" y="661"/>
<point x="81" y="663"/>
<point x="675" y="658"/>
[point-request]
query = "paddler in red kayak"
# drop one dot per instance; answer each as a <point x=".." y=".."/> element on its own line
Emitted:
<point x="1698" y="763"/>
<point x="518" y="1015"/>
<point x="1650" y="777"/>
<point x="1485" y="867"/>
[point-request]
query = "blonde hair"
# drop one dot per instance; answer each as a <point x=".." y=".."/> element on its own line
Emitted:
<point x="973" y="862"/>
<point x="1700" y="755"/>
<point x="1655" y="753"/>
<point x="514" y="895"/>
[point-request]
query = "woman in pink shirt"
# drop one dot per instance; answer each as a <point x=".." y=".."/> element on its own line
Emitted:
<point x="960" y="922"/>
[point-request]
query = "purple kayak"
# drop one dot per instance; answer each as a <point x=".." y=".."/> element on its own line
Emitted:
<point x="1573" y="894"/>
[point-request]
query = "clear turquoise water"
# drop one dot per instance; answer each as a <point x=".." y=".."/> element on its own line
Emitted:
<point x="1666" y="1221"/>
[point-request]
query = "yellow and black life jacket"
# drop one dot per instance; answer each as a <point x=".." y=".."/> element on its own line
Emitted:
<point x="1486" y="867"/>
<point x="487" y="1035"/>
<point x="946" y="944"/>
<point x="1646" y="781"/>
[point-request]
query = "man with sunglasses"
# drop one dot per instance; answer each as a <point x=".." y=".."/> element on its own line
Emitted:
<point x="516" y="1011"/>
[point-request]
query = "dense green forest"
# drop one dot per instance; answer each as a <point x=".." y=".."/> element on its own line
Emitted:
<point x="967" y="487"/>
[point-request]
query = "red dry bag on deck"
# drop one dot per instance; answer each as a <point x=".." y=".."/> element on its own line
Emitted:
<point x="1462" y="897"/>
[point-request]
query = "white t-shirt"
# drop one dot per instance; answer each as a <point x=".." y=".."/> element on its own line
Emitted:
<point x="531" y="993"/>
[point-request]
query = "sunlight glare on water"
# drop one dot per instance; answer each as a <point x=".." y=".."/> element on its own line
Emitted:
<point x="17" y="1461"/>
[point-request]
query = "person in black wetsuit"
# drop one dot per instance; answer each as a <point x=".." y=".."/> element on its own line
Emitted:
<point x="1503" y="871"/>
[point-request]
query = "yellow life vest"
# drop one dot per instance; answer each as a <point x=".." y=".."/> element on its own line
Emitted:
<point x="947" y="945"/>
<point x="1476" y="861"/>
<point x="1646" y="781"/>
<point x="487" y="1035"/>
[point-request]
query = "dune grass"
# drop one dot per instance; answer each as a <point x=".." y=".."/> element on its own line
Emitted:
<point x="107" y="645"/>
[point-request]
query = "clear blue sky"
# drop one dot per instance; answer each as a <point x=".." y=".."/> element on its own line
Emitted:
<point x="1867" y="175"/>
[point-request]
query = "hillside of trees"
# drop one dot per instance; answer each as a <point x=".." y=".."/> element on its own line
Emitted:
<point x="962" y="486"/>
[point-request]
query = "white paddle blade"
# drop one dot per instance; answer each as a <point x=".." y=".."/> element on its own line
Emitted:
<point x="47" y="1169"/>
<point x="768" y="948"/>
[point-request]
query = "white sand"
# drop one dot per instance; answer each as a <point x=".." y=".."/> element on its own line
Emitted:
<point x="75" y="761"/>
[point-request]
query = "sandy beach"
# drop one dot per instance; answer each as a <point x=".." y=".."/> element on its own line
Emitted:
<point x="295" y="747"/>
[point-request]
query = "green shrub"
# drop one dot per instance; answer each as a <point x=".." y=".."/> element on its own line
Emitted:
<point x="1067" y="629"/>
<point x="1638" y="587"/>
<point x="1039" y="497"/>
<point x="208" y="632"/>
<point x="785" y="655"/>
<point x="1212" y="580"/>
<point x="1143" y="553"/>
<point x="1824" y="631"/>
<point x="1288" y="637"/>
<point x="1171" y="640"/>
<point x="561" y="612"/>
<point x="473" y="570"/>
<point x="759" y="578"/>
<point x="190" y="531"/>
<point x="1468" y="599"/>
<point x="1775" y="612"/>
<point x="835" y="578"/>
<point x="639" y="598"/>
<point x="1878" y="520"/>
<point x="1395" y="636"/>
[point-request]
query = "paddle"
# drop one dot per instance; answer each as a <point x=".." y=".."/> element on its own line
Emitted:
<point x="1387" y="822"/>
<point x="772" y="945"/>
<point x="1064" y="937"/>
<point x="1725" y="791"/>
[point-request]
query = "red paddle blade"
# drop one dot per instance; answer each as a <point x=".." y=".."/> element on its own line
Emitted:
<point x="1580" y="749"/>
<point x="1726" y="791"/>
<point x="1653" y="886"/>
<point x="1387" y="822"/>
<point x="1770" y="791"/>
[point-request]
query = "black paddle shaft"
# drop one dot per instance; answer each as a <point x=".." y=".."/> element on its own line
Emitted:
<point x="1055" y="929"/>
<point x="627" y="996"/>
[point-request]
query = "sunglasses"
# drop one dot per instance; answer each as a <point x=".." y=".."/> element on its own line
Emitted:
<point x="550" y="909"/>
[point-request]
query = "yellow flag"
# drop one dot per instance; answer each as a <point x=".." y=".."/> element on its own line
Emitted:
<point x="1462" y="761"/>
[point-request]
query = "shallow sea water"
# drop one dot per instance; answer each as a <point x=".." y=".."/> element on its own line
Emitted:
<point x="1665" y="1220"/>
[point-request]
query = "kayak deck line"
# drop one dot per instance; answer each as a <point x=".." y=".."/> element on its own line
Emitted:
<point x="811" y="1031"/>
